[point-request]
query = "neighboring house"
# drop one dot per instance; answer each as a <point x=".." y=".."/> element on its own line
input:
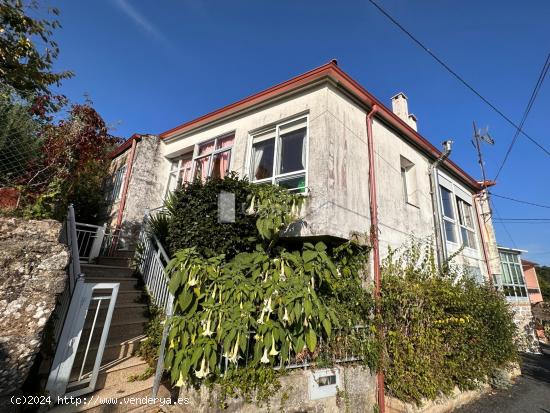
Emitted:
<point x="515" y="287"/>
<point x="531" y="281"/>
<point x="316" y="134"/>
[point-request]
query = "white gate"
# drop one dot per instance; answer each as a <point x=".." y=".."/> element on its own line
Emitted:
<point x="80" y="348"/>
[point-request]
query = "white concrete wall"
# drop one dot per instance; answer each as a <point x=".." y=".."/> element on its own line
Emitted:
<point x="338" y="203"/>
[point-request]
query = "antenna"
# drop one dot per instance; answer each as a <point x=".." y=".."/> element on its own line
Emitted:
<point x="482" y="135"/>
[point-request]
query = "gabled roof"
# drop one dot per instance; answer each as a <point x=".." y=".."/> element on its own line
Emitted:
<point x="328" y="71"/>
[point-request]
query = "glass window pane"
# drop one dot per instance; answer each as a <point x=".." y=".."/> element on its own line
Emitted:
<point x="295" y="184"/>
<point x="447" y="200"/>
<point x="185" y="171"/>
<point x="206" y="148"/>
<point x="201" y="167"/>
<point x="220" y="164"/>
<point x="292" y="151"/>
<point x="262" y="159"/>
<point x="224" y="142"/>
<point x="450" y="233"/>
<point x="506" y="274"/>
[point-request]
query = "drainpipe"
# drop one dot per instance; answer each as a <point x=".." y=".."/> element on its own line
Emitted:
<point x="434" y="192"/>
<point x="481" y="222"/>
<point x="122" y="204"/>
<point x="373" y="206"/>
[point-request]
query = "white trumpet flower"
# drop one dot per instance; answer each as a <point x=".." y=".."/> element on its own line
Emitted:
<point x="250" y="210"/>
<point x="285" y="317"/>
<point x="207" y="332"/>
<point x="204" y="371"/>
<point x="235" y="354"/>
<point x="180" y="381"/>
<point x="265" y="359"/>
<point x="273" y="351"/>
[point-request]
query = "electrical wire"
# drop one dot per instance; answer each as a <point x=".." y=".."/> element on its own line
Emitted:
<point x="503" y="224"/>
<point x="457" y="76"/>
<point x="519" y="200"/>
<point x="528" y="108"/>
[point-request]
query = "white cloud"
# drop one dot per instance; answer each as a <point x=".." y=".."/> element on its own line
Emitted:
<point x="141" y="20"/>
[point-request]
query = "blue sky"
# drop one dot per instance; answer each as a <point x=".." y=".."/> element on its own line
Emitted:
<point x="151" y="65"/>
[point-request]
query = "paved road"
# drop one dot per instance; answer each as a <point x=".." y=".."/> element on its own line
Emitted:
<point x="530" y="393"/>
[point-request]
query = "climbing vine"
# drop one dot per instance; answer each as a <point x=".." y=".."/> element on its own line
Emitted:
<point x="269" y="304"/>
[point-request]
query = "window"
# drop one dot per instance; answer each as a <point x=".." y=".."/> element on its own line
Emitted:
<point x="278" y="155"/>
<point x="449" y="222"/>
<point x="212" y="158"/>
<point x="180" y="173"/>
<point x="118" y="179"/>
<point x="408" y="181"/>
<point x="512" y="282"/>
<point x="466" y="223"/>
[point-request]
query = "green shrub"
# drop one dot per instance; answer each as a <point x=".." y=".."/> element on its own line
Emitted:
<point x="442" y="330"/>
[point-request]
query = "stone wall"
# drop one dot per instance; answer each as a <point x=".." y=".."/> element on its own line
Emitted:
<point x="32" y="273"/>
<point x="523" y="317"/>
<point x="356" y="393"/>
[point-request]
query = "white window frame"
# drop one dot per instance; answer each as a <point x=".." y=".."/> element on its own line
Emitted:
<point x="194" y="156"/>
<point x="175" y="173"/>
<point x="461" y="217"/>
<point x="275" y="178"/>
<point x="214" y="152"/>
<point x="458" y="191"/>
<point x="505" y="286"/>
<point x="118" y="183"/>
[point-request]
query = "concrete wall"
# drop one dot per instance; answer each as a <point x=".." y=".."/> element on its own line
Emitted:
<point x="532" y="283"/>
<point x="357" y="393"/>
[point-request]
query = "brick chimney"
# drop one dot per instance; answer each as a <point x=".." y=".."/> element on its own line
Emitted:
<point x="400" y="107"/>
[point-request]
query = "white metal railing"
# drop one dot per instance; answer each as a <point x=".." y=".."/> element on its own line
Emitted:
<point x="95" y="240"/>
<point x="153" y="260"/>
<point x="70" y="238"/>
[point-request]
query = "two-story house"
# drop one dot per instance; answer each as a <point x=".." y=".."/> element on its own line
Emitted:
<point x="323" y="135"/>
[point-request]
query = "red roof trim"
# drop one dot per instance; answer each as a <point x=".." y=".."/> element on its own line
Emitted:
<point x="332" y="71"/>
<point x="124" y="146"/>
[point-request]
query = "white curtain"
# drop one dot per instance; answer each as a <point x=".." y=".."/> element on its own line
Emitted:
<point x="258" y="152"/>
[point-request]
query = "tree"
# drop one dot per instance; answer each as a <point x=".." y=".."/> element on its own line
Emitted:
<point x="72" y="166"/>
<point x="543" y="274"/>
<point x="25" y="66"/>
<point x="19" y="144"/>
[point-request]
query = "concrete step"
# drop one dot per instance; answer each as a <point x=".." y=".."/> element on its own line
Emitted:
<point x="131" y="296"/>
<point x="124" y="253"/>
<point x="95" y="270"/>
<point x="122" y="312"/>
<point x="114" y="370"/>
<point x="122" y="330"/>
<point x="126" y="283"/>
<point x="116" y="261"/>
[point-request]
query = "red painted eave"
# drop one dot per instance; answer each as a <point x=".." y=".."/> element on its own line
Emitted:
<point x="332" y="71"/>
<point x="124" y="146"/>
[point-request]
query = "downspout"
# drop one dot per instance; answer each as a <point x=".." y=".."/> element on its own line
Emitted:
<point x="122" y="204"/>
<point x="480" y="221"/>
<point x="373" y="206"/>
<point x="434" y="193"/>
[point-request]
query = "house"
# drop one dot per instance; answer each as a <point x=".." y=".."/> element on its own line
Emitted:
<point x="357" y="162"/>
<point x="518" y="290"/>
<point x="531" y="281"/>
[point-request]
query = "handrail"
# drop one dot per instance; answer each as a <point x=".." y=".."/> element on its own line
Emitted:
<point x="73" y="245"/>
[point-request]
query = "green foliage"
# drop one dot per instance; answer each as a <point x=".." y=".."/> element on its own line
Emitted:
<point x="441" y="330"/>
<point x="149" y="348"/>
<point x="244" y="294"/>
<point x="25" y="66"/>
<point x="261" y="212"/>
<point x="159" y="227"/>
<point x="19" y="143"/>
<point x="543" y="275"/>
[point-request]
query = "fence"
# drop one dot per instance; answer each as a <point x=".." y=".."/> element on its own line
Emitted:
<point x="70" y="238"/>
<point x="95" y="240"/>
<point x="152" y="262"/>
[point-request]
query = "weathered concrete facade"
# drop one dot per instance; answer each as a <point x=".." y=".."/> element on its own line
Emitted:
<point x="337" y="164"/>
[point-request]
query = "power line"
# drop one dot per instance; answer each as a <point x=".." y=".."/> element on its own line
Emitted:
<point x="520" y="201"/>
<point x="530" y="104"/>
<point x="457" y="76"/>
<point x="503" y="224"/>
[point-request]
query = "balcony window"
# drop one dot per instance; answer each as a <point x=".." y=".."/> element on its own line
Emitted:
<point x="466" y="223"/>
<point x="278" y="155"/>
<point x="512" y="282"/>
<point x="448" y="212"/>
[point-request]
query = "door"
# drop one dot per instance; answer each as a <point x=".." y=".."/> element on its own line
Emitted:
<point x="80" y="349"/>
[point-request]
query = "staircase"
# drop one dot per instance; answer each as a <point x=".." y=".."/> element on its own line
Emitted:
<point x="126" y="333"/>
